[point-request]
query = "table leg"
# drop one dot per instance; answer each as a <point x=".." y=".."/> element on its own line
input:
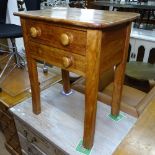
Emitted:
<point x="35" y="88"/>
<point x="117" y="90"/>
<point x="33" y="74"/>
<point x="66" y="81"/>
<point x="119" y="76"/>
<point x="91" y="90"/>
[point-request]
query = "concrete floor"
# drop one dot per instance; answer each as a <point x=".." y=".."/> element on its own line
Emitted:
<point x="3" y="150"/>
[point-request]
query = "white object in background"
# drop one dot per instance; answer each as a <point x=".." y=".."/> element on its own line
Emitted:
<point x="58" y="3"/>
<point x="12" y="7"/>
<point x="138" y="38"/>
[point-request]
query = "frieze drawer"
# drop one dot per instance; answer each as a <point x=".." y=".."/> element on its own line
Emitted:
<point x="72" y="40"/>
<point x="59" y="58"/>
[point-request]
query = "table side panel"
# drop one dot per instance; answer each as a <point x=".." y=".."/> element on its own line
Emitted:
<point x="112" y="47"/>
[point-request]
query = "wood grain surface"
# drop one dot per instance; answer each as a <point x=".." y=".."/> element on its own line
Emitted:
<point x="88" y="18"/>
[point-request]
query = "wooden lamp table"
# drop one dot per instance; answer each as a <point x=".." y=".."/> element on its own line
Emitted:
<point x="84" y="41"/>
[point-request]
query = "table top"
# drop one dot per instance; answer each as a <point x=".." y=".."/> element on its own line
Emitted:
<point x="123" y="4"/>
<point x="88" y="18"/>
<point x="141" y="138"/>
<point x="140" y="70"/>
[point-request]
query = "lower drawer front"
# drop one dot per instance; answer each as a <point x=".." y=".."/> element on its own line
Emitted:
<point x="60" y="58"/>
<point x="34" y="138"/>
<point x="29" y="148"/>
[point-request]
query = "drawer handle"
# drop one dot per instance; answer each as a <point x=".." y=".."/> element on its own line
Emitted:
<point x="67" y="62"/>
<point x="35" y="32"/>
<point x="65" y="39"/>
<point x="25" y="133"/>
<point x="29" y="150"/>
<point x="31" y="140"/>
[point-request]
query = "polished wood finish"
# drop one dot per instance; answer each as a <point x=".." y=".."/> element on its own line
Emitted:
<point x="92" y="78"/>
<point x="75" y="40"/>
<point x="65" y="39"/>
<point x="67" y="62"/>
<point x="34" y="32"/>
<point x="56" y="56"/>
<point x="86" y="18"/>
<point x="66" y="81"/>
<point x="140" y="140"/>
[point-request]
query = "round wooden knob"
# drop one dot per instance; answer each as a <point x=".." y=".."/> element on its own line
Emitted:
<point x="34" y="32"/>
<point x="65" y="39"/>
<point x="67" y="62"/>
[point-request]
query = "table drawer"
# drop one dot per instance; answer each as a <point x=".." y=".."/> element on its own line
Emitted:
<point x="72" y="40"/>
<point x="66" y="60"/>
<point x="34" y="138"/>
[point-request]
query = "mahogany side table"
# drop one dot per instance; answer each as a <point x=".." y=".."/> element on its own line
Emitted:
<point x="84" y="41"/>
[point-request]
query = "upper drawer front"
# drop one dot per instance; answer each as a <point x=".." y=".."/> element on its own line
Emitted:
<point x="72" y="40"/>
